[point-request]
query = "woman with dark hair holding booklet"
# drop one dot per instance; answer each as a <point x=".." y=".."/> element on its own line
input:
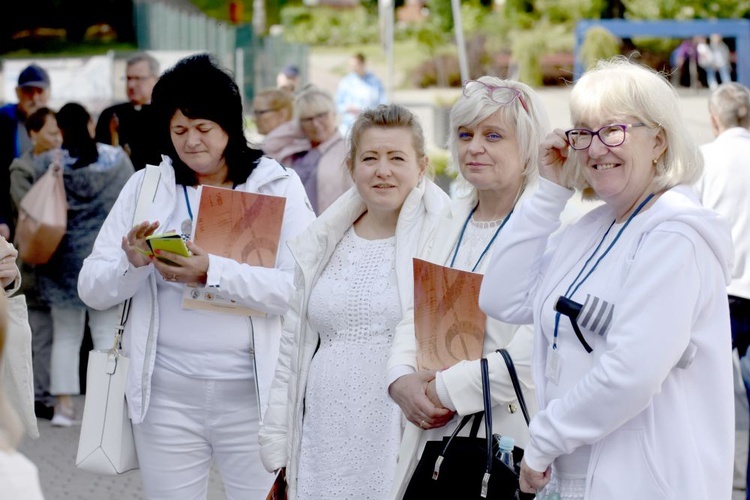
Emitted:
<point x="496" y="127"/>
<point x="199" y="378"/>
<point x="329" y="420"/>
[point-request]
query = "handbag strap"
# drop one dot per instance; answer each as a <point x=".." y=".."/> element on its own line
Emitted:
<point x="124" y="312"/>
<point x="487" y="418"/>
<point x="516" y="385"/>
<point x="146" y="194"/>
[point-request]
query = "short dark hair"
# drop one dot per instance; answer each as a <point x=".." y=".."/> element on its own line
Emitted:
<point x="200" y="87"/>
<point x="73" y="120"/>
<point x="37" y="119"/>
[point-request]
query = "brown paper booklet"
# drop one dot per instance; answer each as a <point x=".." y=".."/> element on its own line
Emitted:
<point x="242" y="226"/>
<point x="448" y="323"/>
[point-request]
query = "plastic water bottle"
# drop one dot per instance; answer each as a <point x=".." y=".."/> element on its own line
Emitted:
<point x="505" y="451"/>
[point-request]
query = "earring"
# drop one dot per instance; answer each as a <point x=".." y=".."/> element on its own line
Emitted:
<point x="655" y="161"/>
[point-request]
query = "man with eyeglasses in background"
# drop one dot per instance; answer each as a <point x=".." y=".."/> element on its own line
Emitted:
<point x="129" y="124"/>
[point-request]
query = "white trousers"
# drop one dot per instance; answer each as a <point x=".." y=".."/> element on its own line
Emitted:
<point x="191" y="421"/>
<point x="68" y="326"/>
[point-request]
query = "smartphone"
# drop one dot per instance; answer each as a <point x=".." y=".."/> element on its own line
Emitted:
<point x="168" y="242"/>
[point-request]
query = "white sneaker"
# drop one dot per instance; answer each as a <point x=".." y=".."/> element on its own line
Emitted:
<point x="63" y="417"/>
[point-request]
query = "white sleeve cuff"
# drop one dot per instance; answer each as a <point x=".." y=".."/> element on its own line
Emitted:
<point x="215" y="268"/>
<point x="442" y="392"/>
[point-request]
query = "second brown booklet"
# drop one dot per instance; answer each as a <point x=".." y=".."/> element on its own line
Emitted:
<point x="448" y="323"/>
<point x="238" y="225"/>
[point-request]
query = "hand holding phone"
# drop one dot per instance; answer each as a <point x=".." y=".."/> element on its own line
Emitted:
<point x="167" y="242"/>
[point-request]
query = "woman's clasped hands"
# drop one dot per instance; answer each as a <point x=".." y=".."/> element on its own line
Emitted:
<point x="416" y="395"/>
<point x="192" y="270"/>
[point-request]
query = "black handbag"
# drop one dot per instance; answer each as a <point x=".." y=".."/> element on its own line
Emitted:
<point x="459" y="467"/>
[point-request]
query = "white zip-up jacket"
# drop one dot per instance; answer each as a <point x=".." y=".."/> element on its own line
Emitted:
<point x="107" y="277"/>
<point x="281" y="432"/>
<point x="656" y="430"/>
<point x="463" y="381"/>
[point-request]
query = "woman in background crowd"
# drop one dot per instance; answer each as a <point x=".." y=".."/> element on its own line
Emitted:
<point x="321" y="167"/>
<point x="273" y="111"/>
<point x="93" y="174"/>
<point x="45" y="135"/>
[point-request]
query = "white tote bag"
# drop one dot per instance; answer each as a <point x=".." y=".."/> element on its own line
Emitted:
<point x="106" y="444"/>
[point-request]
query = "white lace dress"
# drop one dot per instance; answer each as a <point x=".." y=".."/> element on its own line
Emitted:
<point x="351" y="429"/>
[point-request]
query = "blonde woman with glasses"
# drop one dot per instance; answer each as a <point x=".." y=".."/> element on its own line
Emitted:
<point x="632" y="347"/>
<point x="496" y="127"/>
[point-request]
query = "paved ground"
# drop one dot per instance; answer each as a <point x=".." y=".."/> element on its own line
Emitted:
<point x="54" y="454"/>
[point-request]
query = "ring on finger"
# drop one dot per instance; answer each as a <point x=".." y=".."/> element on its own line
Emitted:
<point x="171" y="278"/>
<point x="422" y="424"/>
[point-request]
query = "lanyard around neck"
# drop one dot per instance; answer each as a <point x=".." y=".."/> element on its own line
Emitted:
<point x="575" y="285"/>
<point x="489" y="245"/>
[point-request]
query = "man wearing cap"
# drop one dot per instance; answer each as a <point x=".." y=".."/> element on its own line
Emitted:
<point x="33" y="92"/>
<point x="131" y="124"/>
<point x="288" y="78"/>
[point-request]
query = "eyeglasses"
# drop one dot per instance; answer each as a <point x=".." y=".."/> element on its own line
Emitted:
<point x="499" y="94"/>
<point x="611" y="135"/>
<point x="310" y="119"/>
<point x="261" y="112"/>
<point x="138" y="79"/>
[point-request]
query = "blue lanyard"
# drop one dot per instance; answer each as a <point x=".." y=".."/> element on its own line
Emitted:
<point x="187" y="202"/>
<point x="489" y="245"/>
<point x="573" y="288"/>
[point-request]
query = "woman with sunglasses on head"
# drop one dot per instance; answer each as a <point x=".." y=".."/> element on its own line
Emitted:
<point x="632" y="352"/>
<point x="496" y="127"/>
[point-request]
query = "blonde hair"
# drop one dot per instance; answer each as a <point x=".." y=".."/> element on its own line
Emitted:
<point x="619" y="87"/>
<point x="278" y="99"/>
<point x="312" y="100"/>
<point x="530" y="123"/>
<point x="384" y="116"/>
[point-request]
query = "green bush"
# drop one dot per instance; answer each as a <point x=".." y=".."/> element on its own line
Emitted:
<point x="599" y="43"/>
<point x="527" y="49"/>
<point x="327" y="26"/>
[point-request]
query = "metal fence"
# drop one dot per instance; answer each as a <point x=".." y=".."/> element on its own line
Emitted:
<point x="256" y="61"/>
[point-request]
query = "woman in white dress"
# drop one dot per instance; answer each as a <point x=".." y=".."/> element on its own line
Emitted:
<point x="330" y="421"/>
<point x="496" y="127"/>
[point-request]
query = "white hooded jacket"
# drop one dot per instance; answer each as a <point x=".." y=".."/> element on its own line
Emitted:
<point x="656" y="430"/>
<point x="463" y="380"/>
<point x="107" y="277"/>
<point x="281" y="432"/>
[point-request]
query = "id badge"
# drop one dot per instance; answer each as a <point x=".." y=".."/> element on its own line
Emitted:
<point x="552" y="370"/>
